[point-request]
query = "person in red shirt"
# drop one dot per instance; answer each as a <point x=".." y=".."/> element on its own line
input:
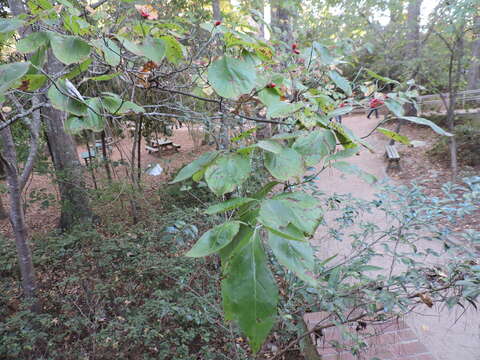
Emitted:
<point x="374" y="105"/>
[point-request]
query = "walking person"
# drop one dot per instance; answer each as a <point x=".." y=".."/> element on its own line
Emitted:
<point x="375" y="103"/>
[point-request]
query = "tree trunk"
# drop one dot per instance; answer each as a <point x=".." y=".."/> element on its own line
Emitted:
<point x="17" y="218"/>
<point x="217" y="14"/>
<point x="282" y="19"/>
<point x="75" y="206"/>
<point x="3" y="211"/>
<point x="74" y="199"/>
<point x="474" y="70"/>
<point x="106" y="159"/>
<point x="413" y="35"/>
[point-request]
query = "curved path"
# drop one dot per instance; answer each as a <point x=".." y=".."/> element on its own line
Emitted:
<point x="445" y="336"/>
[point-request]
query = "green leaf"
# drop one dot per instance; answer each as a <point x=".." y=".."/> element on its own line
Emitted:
<point x="94" y="118"/>
<point x="195" y="166"/>
<point x="35" y="81"/>
<point x="341" y="82"/>
<point x="104" y="77"/>
<point x="232" y="77"/>
<point x="69" y="49"/>
<point x="395" y="107"/>
<point x="315" y="145"/>
<point x="340" y="111"/>
<point x="153" y="49"/>
<point x="275" y="214"/>
<point x="173" y="49"/>
<point x="305" y="210"/>
<point x="215" y="239"/>
<point x="381" y="78"/>
<point x="78" y="69"/>
<point x="250" y="295"/>
<point x="114" y="104"/>
<point x="9" y="25"/>
<point x="353" y="169"/>
<point x="297" y="256"/>
<point x="110" y="50"/>
<point x="342" y="154"/>
<point x="395" y="136"/>
<point x="228" y="205"/>
<point x="227" y="172"/>
<point x="63" y="102"/>
<point x="11" y="73"/>
<point x="271" y="146"/>
<point x="288" y="163"/>
<point x="324" y="54"/>
<point x="74" y="125"/>
<point x="275" y="107"/>
<point x="422" y="121"/>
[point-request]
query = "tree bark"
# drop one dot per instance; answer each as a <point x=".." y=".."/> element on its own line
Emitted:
<point x="282" y="19"/>
<point x="17" y="217"/>
<point x="75" y="206"/>
<point x="413" y="35"/>
<point x="474" y="70"/>
<point x="217" y="14"/>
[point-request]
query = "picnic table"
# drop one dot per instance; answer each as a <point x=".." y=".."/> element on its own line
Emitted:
<point x="161" y="145"/>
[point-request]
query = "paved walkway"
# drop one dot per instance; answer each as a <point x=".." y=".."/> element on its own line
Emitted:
<point x="445" y="336"/>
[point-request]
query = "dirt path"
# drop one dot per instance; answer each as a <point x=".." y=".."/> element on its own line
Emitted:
<point x="447" y="337"/>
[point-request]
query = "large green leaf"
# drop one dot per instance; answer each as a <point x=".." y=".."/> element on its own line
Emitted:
<point x="250" y="295"/>
<point x="173" y="49"/>
<point x="297" y="256"/>
<point x="275" y="214"/>
<point x="271" y="146"/>
<point x="75" y="125"/>
<point x="422" y="121"/>
<point x="395" y="107"/>
<point x="288" y="163"/>
<point x="227" y="172"/>
<point x="94" y="117"/>
<point x="275" y="107"/>
<point x="305" y="210"/>
<point x="116" y="105"/>
<point x="110" y="50"/>
<point x="395" y="136"/>
<point x="9" y="25"/>
<point x="32" y="42"/>
<point x="354" y="169"/>
<point x="315" y="145"/>
<point x="59" y="99"/>
<point x="69" y="49"/>
<point x="324" y="54"/>
<point x="382" y="78"/>
<point x="34" y="81"/>
<point x="341" y="82"/>
<point x="232" y="77"/>
<point x="215" y="239"/>
<point x="154" y="49"/>
<point x="195" y="166"/>
<point x="228" y="205"/>
<point x="11" y="73"/>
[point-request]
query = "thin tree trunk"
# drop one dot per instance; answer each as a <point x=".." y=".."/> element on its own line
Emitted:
<point x="17" y="218"/>
<point x="75" y="205"/>
<point x="106" y="160"/>
<point x="282" y="19"/>
<point x="413" y="35"/>
<point x="217" y="14"/>
<point x="474" y="70"/>
<point x="139" y="151"/>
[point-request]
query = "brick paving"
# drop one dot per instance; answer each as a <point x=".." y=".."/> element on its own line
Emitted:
<point x="391" y="340"/>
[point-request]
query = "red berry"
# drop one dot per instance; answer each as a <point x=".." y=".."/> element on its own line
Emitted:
<point x="271" y="85"/>
<point x="296" y="51"/>
<point x="144" y="14"/>
<point x="218" y="22"/>
<point x="294" y="46"/>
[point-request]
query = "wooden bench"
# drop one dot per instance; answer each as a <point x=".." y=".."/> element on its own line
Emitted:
<point x="393" y="157"/>
<point x="164" y="145"/>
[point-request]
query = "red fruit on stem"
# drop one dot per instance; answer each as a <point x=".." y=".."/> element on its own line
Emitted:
<point x="296" y="51"/>
<point x="218" y="22"/>
<point x="144" y="14"/>
<point x="294" y="46"/>
<point x="271" y="85"/>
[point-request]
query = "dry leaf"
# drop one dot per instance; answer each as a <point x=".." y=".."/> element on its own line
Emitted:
<point x="6" y="109"/>
<point x="427" y="300"/>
